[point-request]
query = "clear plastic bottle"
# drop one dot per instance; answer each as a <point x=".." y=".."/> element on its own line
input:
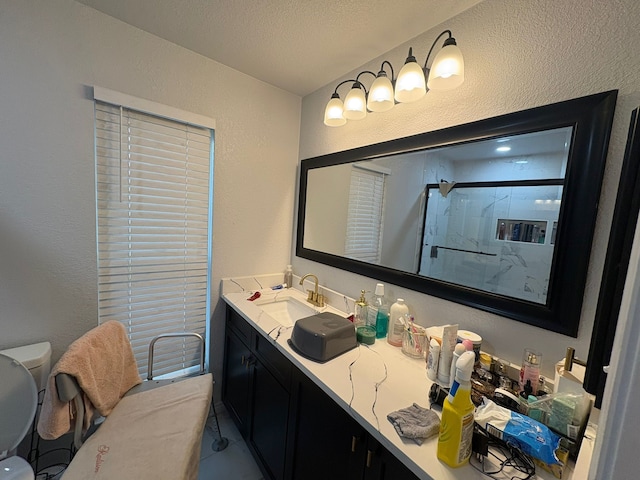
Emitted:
<point x="288" y="276"/>
<point x="397" y="322"/>
<point x="456" y="426"/>
<point x="379" y="312"/>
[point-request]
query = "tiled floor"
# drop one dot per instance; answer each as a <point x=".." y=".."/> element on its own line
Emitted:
<point x="234" y="462"/>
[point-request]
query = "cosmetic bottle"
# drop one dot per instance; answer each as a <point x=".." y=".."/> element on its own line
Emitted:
<point x="288" y="276"/>
<point x="457" y="351"/>
<point x="456" y="426"/>
<point x="397" y="322"/>
<point x="432" y="359"/>
<point x="530" y="370"/>
<point x="448" y="345"/>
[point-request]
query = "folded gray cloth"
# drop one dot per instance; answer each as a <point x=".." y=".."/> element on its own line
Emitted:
<point x="415" y="423"/>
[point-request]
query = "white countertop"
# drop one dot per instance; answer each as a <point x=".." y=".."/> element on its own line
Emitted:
<point x="351" y="381"/>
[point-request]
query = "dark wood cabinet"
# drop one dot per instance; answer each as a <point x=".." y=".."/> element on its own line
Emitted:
<point x="328" y="442"/>
<point x="293" y="428"/>
<point x="255" y="390"/>
<point x="236" y="384"/>
<point x="270" y="417"/>
<point x="380" y="464"/>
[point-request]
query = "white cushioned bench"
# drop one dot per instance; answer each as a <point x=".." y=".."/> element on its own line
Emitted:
<point x="153" y="434"/>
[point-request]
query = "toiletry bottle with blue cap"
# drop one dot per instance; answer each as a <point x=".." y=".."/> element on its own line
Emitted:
<point x="456" y="426"/>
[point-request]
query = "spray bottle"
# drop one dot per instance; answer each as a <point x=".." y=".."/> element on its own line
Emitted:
<point x="456" y="427"/>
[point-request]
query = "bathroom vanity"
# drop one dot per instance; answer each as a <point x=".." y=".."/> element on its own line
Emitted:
<point x="307" y="420"/>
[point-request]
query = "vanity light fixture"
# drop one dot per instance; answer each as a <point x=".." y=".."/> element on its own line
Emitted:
<point x="446" y="72"/>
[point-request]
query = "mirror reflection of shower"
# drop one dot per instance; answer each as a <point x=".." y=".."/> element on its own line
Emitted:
<point x="492" y="237"/>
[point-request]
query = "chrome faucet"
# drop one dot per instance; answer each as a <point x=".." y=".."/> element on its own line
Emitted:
<point x="313" y="297"/>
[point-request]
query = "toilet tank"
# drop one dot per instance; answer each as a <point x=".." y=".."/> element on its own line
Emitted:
<point x="37" y="359"/>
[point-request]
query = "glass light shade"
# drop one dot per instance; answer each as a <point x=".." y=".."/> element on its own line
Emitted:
<point x="355" y="104"/>
<point x="447" y="69"/>
<point x="380" y="95"/>
<point x="333" y="116"/>
<point x="410" y="85"/>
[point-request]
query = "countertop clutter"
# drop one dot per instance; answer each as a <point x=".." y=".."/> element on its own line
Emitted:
<point x="369" y="382"/>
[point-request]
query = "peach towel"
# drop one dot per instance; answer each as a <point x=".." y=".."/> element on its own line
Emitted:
<point x="103" y="364"/>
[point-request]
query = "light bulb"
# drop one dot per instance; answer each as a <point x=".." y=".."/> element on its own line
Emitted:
<point x="355" y="104"/>
<point x="447" y="69"/>
<point x="333" y="113"/>
<point x="380" y="94"/>
<point x="410" y="85"/>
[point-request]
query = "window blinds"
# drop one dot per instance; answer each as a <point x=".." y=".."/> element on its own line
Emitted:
<point x="364" y="218"/>
<point x="153" y="222"/>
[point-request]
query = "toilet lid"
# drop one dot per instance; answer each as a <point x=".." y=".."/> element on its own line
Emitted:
<point x="18" y="402"/>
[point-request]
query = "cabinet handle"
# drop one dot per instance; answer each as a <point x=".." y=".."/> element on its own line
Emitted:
<point x="354" y="441"/>
<point x="242" y="360"/>
<point x="369" y="458"/>
<point x="249" y="363"/>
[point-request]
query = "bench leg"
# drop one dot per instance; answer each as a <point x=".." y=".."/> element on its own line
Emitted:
<point x="221" y="442"/>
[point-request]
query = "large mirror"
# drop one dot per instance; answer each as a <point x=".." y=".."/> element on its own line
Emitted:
<point x="497" y="214"/>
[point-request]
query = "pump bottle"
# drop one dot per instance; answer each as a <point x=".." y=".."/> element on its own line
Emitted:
<point x="288" y="276"/>
<point x="397" y="322"/>
<point x="456" y="426"/>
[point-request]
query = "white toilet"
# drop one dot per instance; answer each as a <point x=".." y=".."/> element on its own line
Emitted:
<point x="24" y="371"/>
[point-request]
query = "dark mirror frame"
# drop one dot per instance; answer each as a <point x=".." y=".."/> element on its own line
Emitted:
<point x="591" y="118"/>
<point x="614" y="275"/>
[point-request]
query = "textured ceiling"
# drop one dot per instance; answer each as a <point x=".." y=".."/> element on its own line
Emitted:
<point x="297" y="45"/>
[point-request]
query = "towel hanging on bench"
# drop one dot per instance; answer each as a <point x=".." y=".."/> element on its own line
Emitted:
<point x="103" y="364"/>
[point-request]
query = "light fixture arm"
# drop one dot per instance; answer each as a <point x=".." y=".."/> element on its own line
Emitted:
<point x="357" y="80"/>
<point x="446" y="42"/>
<point x="335" y="91"/>
<point x="393" y="75"/>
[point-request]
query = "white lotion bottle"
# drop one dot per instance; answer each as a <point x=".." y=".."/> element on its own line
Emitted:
<point x="397" y="314"/>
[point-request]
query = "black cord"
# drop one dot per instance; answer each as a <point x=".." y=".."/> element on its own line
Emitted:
<point x="507" y="456"/>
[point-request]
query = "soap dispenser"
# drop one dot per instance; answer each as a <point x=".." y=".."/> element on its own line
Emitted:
<point x="360" y="317"/>
<point x="364" y="333"/>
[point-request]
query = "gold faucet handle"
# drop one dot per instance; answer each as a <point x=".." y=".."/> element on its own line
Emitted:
<point x="320" y="300"/>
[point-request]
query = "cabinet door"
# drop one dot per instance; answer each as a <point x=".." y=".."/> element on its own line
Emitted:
<point x="269" y="422"/>
<point x="329" y="444"/>
<point x="236" y="376"/>
<point x="380" y="464"/>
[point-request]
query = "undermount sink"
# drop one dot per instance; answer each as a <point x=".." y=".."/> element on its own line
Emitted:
<point x="285" y="308"/>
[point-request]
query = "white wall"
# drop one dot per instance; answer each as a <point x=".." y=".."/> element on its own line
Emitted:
<point x="50" y="52"/>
